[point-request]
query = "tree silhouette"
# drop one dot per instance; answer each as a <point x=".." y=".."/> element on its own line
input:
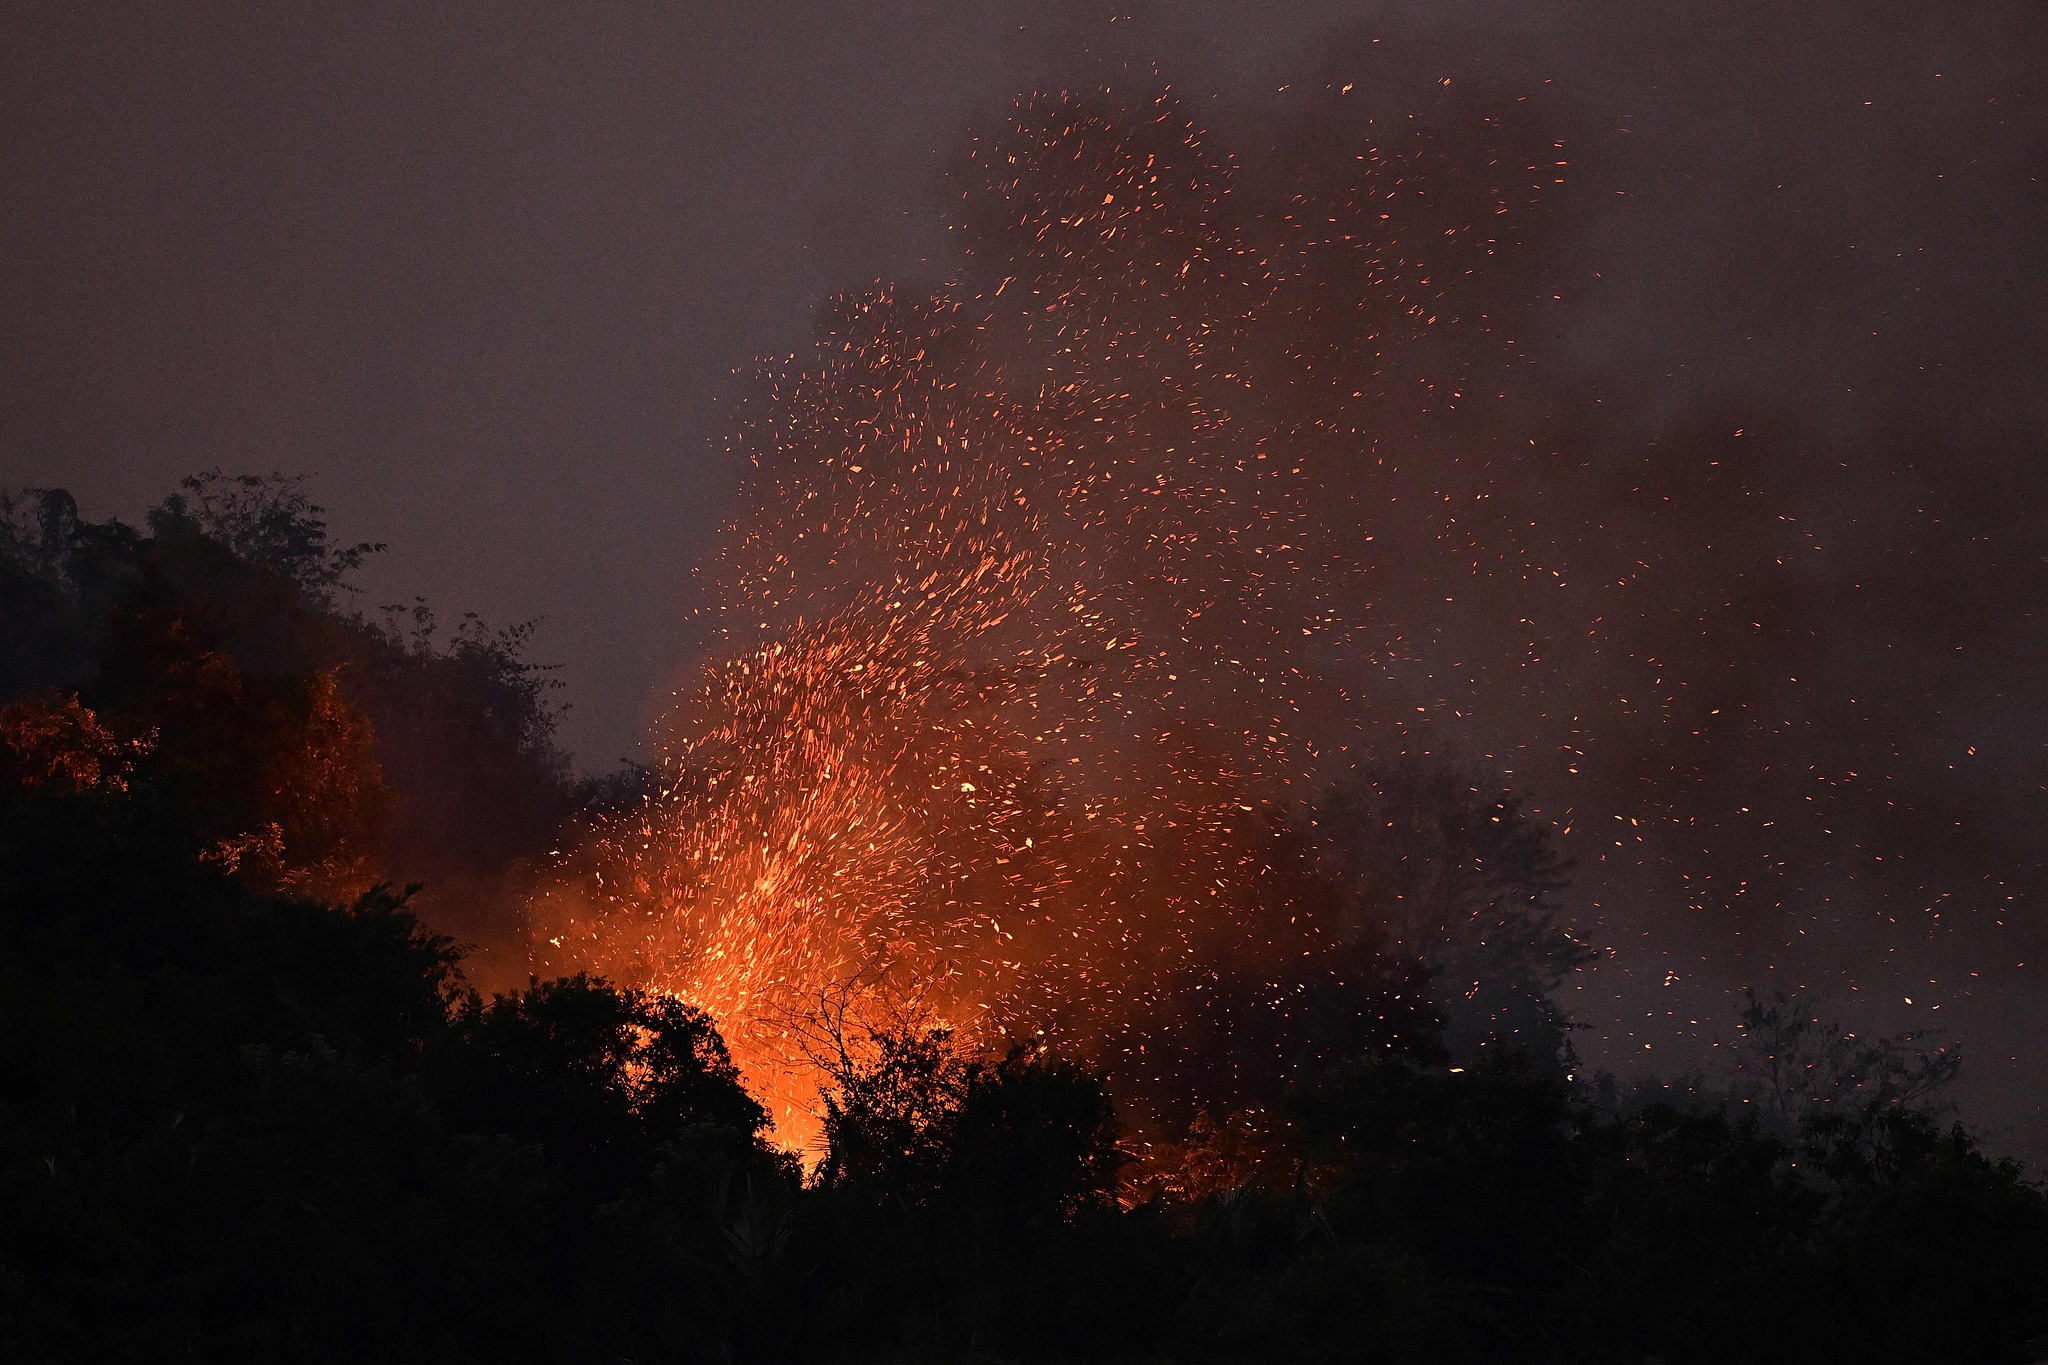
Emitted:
<point x="1464" y="881"/>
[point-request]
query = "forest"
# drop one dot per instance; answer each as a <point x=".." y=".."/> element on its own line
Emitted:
<point x="274" y="1085"/>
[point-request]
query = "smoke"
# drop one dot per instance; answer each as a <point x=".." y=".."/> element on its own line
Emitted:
<point x="1638" y="453"/>
<point x="1780" y="685"/>
<point x="1734" y="563"/>
<point x="1031" y="616"/>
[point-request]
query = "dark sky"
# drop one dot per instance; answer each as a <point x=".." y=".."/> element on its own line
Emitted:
<point x="489" y="277"/>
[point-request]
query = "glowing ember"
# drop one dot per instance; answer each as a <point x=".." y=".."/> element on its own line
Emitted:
<point x="1024" y="622"/>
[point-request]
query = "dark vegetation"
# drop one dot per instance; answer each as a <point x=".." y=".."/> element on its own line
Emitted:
<point x="251" y="1108"/>
<point x="296" y="741"/>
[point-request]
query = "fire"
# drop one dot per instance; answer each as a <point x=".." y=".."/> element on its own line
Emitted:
<point x="1025" y="621"/>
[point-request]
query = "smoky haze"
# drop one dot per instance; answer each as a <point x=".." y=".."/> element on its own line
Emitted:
<point x="1713" y="517"/>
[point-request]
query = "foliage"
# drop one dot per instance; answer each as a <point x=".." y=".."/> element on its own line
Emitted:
<point x="1789" y="1067"/>
<point x="1797" y="1065"/>
<point x="1023" y="1136"/>
<point x="52" y="740"/>
<point x="307" y="747"/>
<point x="251" y="1108"/>
<point x="599" y="1076"/>
<point x="1465" y="882"/>
<point x="264" y="520"/>
<point x="237" y="1125"/>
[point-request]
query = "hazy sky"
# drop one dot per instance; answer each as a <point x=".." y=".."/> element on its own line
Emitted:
<point x="488" y="276"/>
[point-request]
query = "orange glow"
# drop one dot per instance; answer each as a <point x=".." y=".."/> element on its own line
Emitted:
<point x="1022" y="625"/>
